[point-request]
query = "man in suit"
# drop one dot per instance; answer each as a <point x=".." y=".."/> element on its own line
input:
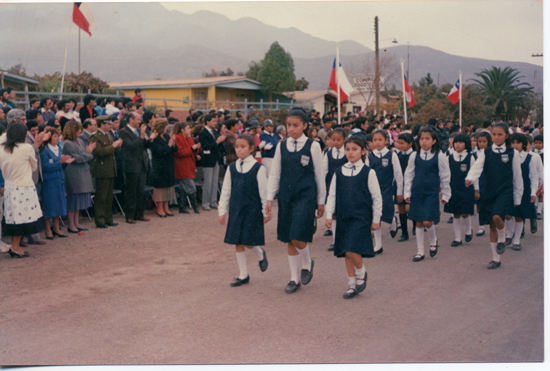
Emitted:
<point x="88" y="112"/>
<point x="104" y="172"/>
<point x="135" y="163"/>
<point x="89" y="127"/>
<point x="209" y="139"/>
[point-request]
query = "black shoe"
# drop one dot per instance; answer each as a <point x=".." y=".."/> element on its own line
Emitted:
<point x="508" y="241"/>
<point x="379" y="251"/>
<point x="50" y="238"/>
<point x="523" y="232"/>
<point x="418" y="258"/>
<point x="263" y="262"/>
<point x="331" y="248"/>
<point x="183" y="210"/>
<point x="162" y="216"/>
<point x="239" y="282"/>
<point x="456" y="243"/>
<point x="469" y="237"/>
<point x="450" y="221"/>
<point x="350" y="293"/>
<point x="539" y="216"/>
<point x="414" y="230"/>
<point x="433" y="252"/>
<point x="362" y="286"/>
<point x="101" y="226"/>
<point x="404" y="237"/>
<point x="394" y="233"/>
<point x="493" y="265"/>
<point x="71" y="231"/>
<point x="516" y="247"/>
<point x="58" y="234"/>
<point x="307" y="275"/>
<point x="292" y="287"/>
<point x="169" y="214"/>
<point x="501" y="247"/>
<point x="14" y="254"/>
<point x="328" y="232"/>
<point x="82" y="229"/>
<point x="480" y="233"/>
<point x="534" y="226"/>
<point x="112" y="224"/>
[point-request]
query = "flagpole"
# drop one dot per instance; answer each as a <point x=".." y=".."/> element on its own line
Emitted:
<point x="338" y="81"/>
<point x="403" y="87"/>
<point x="79" y="50"/>
<point x="460" y="99"/>
<point x="65" y="62"/>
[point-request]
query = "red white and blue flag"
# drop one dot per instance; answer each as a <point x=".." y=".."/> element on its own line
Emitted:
<point x="409" y="94"/>
<point x="83" y="17"/>
<point x="454" y="95"/>
<point x="345" y="86"/>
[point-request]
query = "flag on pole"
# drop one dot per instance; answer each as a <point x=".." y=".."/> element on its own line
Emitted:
<point x="409" y="94"/>
<point x="83" y="17"/>
<point x="345" y="86"/>
<point x="454" y="95"/>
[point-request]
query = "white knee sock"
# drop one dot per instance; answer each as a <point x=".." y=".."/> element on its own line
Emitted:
<point x="377" y="239"/>
<point x="258" y="252"/>
<point x="360" y="272"/>
<point x="509" y="228"/>
<point x="333" y="232"/>
<point x="539" y="207"/>
<point x="294" y="262"/>
<point x="241" y="261"/>
<point x="457" y="224"/>
<point x="496" y="256"/>
<point x="420" y="240"/>
<point x="517" y="232"/>
<point x="305" y="258"/>
<point x="352" y="281"/>
<point x="432" y="236"/>
<point x="467" y="222"/>
<point x="502" y="235"/>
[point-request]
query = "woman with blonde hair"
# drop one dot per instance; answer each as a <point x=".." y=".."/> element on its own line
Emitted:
<point x="163" y="148"/>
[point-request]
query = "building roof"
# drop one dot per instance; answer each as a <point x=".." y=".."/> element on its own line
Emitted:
<point x="18" y="79"/>
<point x="237" y="82"/>
<point x="307" y="96"/>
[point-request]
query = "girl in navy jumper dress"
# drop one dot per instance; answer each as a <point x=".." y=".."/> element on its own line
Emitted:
<point x="332" y="160"/>
<point x="244" y="195"/>
<point x="355" y="195"/>
<point x="388" y="171"/>
<point x="405" y="142"/>
<point x="527" y="209"/>
<point x="297" y="172"/>
<point x="427" y="170"/>
<point x="483" y="141"/>
<point x="503" y="186"/>
<point x="463" y="198"/>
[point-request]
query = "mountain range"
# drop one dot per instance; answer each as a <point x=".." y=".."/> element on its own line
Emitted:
<point x="140" y="41"/>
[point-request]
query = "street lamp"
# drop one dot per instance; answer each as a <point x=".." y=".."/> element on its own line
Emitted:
<point x="377" y="63"/>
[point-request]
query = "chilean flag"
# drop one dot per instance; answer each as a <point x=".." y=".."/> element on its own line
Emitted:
<point x="409" y="94"/>
<point x="454" y="95"/>
<point x="83" y="17"/>
<point x="345" y="86"/>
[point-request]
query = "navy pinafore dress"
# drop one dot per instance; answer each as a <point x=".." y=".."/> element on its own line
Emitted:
<point x="245" y="225"/>
<point x="425" y="190"/>
<point x="462" y="198"/>
<point x="527" y="209"/>
<point x="384" y="172"/>
<point x="297" y="195"/>
<point x="497" y="196"/>
<point x="354" y="203"/>
<point x="333" y="164"/>
<point x="404" y="162"/>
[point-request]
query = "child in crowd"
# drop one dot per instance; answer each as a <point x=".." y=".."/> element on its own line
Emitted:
<point x="370" y="146"/>
<point x="503" y="187"/>
<point x="473" y="141"/>
<point x="388" y="171"/>
<point x="449" y="152"/>
<point x="244" y="195"/>
<point x="540" y="171"/>
<point x="539" y="149"/>
<point x="483" y="141"/>
<point x="405" y="143"/>
<point x="297" y="172"/>
<point x="355" y="195"/>
<point x="526" y="209"/>
<point x="427" y="170"/>
<point x="332" y="160"/>
<point x="463" y="198"/>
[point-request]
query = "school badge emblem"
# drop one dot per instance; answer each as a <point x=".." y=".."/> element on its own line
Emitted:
<point x="305" y="160"/>
<point x="504" y="157"/>
<point x="384" y="162"/>
<point x="463" y="167"/>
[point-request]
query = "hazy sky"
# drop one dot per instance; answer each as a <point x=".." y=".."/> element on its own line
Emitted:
<point x="500" y="30"/>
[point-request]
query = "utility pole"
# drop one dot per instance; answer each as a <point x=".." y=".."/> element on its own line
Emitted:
<point x="377" y="64"/>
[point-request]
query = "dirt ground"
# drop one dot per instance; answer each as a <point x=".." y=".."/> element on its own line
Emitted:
<point x="158" y="293"/>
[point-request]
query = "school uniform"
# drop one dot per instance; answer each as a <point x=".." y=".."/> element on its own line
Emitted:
<point x="403" y="157"/>
<point x="297" y="173"/>
<point x="423" y="190"/>
<point x="355" y="192"/>
<point x="332" y="160"/>
<point x="244" y="195"/>
<point x="540" y="153"/>
<point x="462" y="200"/>
<point x="388" y="170"/>
<point x="530" y="177"/>
<point x="504" y="183"/>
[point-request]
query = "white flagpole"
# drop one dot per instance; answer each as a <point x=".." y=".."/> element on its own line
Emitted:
<point x="338" y="81"/>
<point x="65" y="61"/>
<point x="460" y="99"/>
<point x="404" y="93"/>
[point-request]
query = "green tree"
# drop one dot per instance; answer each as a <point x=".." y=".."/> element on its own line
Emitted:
<point x="503" y="91"/>
<point x="73" y="83"/>
<point x="276" y="73"/>
<point x="253" y="70"/>
<point x="301" y="84"/>
<point x="227" y="72"/>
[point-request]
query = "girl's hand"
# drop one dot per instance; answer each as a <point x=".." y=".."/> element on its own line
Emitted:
<point x="320" y="211"/>
<point x="91" y="147"/>
<point x="408" y="200"/>
<point x="328" y="223"/>
<point x="222" y="219"/>
<point x="443" y="201"/>
<point x="399" y="199"/>
<point x="540" y="190"/>
<point x="266" y="219"/>
<point x="374" y="226"/>
<point x="268" y="207"/>
<point x="476" y="195"/>
<point x="468" y="183"/>
<point x="533" y="199"/>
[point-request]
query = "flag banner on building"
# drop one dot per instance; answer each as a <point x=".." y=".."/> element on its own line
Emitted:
<point x="454" y="95"/>
<point x="345" y="86"/>
<point x="409" y="94"/>
<point x="83" y="17"/>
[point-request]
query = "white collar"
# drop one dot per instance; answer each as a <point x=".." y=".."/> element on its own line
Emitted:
<point x="410" y="150"/>
<point x="422" y="152"/>
<point x="302" y="139"/>
<point x="382" y="152"/>
<point x="338" y="150"/>
<point x="502" y="147"/>
<point x="357" y="164"/>
<point x="247" y="159"/>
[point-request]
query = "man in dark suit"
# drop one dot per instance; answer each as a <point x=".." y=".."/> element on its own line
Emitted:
<point x="104" y="172"/>
<point x="135" y="164"/>
<point x="89" y="127"/>
<point x="209" y="139"/>
<point x="88" y="112"/>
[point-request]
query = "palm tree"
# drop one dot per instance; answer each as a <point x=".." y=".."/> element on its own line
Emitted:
<point x="503" y="90"/>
